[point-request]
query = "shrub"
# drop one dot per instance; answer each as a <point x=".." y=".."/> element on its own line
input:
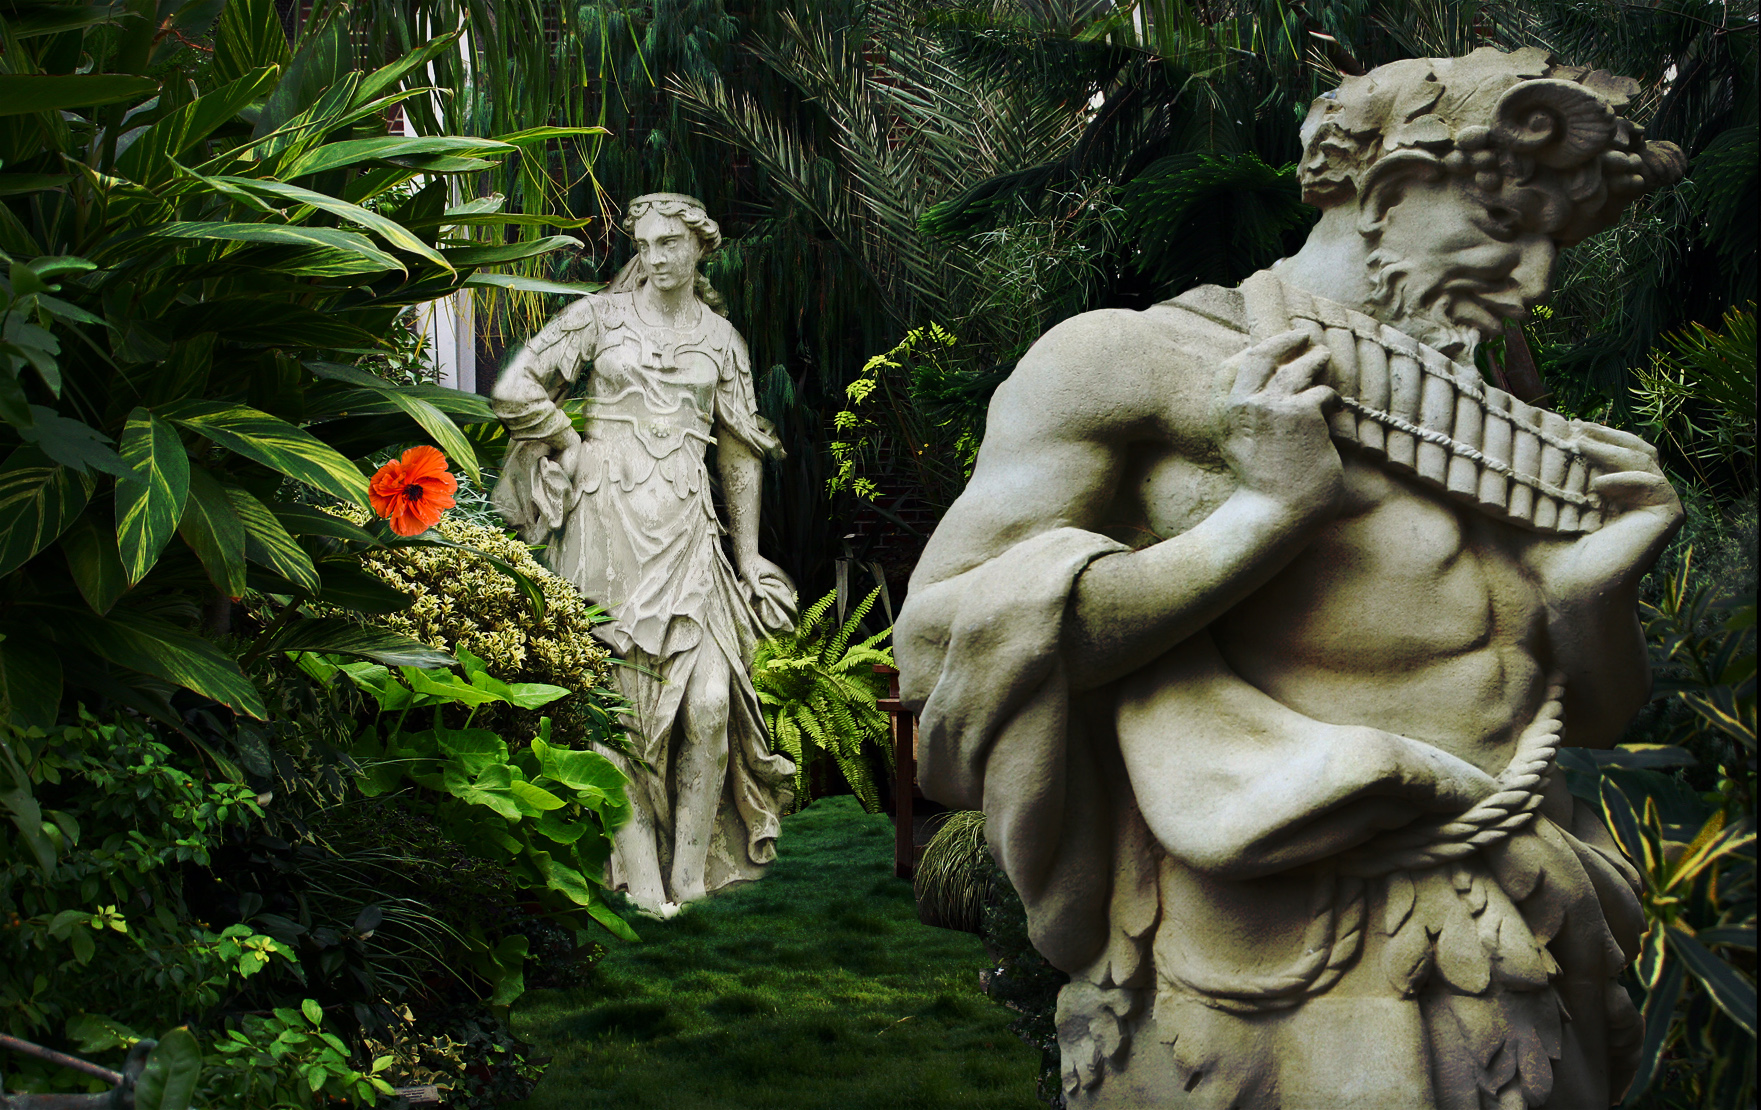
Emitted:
<point x="461" y="601"/>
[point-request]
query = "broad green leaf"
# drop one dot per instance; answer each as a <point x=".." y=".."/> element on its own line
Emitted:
<point x="95" y="562"/>
<point x="99" y="1033"/>
<point x="617" y="926"/>
<point x="1734" y="995"/>
<point x="490" y="789"/>
<point x="150" y="160"/>
<point x="562" y="829"/>
<point x="343" y="637"/>
<point x="282" y="234"/>
<point x="389" y="230"/>
<point x="580" y="770"/>
<point x="535" y="800"/>
<point x="533" y="285"/>
<point x="474" y="748"/>
<point x="24" y="93"/>
<point x="169" y="1080"/>
<point x="568" y="882"/>
<point x="268" y="543"/>
<point x="347" y="586"/>
<point x="353" y="151"/>
<point x="74" y="443"/>
<point x="450" y="688"/>
<point x="151" y="646"/>
<point x="38" y="500"/>
<point x="508" y="252"/>
<point x="214" y="532"/>
<point x="275" y="443"/>
<point x="149" y="504"/>
<point x="308" y="520"/>
<point x="30" y="681"/>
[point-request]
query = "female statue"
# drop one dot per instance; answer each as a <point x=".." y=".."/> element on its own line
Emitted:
<point x="626" y="511"/>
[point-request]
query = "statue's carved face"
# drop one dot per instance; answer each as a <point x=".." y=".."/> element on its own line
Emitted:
<point x="669" y="250"/>
<point x="1451" y="262"/>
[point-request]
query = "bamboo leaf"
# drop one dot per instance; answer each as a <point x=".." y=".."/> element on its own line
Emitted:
<point x="150" y="504"/>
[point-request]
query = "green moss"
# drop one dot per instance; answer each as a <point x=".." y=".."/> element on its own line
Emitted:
<point x="816" y="987"/>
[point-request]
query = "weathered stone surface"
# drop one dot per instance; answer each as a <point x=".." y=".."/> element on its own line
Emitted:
<point x="1261" y="621"/>
<point x="626" y="512"/>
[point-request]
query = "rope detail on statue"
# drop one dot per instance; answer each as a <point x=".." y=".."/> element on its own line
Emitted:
<point x="1334" y="936"/>
<point x="1426" y="844"/>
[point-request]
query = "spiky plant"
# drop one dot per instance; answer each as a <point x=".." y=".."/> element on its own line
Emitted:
<point x="953" y="878"/>
<point x="818" y="691"/>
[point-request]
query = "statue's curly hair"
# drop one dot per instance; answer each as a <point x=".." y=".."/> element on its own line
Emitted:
<point x="688" y="211"/>
<point x="1547" y="138"/>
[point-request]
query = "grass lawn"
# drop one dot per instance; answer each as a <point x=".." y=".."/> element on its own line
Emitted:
<point x="814" y="988"/>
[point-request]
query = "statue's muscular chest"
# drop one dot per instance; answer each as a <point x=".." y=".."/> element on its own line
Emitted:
<point x="1405" y="600"/>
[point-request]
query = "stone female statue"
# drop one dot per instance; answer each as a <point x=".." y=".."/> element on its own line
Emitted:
<point x="626" y="511"/>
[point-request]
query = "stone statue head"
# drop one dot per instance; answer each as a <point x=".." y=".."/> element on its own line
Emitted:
<point x="1465" y="176"/>
<point x="673" y="234"/>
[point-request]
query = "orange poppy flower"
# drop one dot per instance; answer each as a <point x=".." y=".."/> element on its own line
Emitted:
<point x="413" y="491"/>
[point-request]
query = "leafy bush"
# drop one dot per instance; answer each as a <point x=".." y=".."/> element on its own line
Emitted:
<point x="460" y="602"/>
<point x="818" y="691"/>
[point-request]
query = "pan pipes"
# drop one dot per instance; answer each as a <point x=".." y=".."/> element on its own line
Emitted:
<point x="1421" y="413"/>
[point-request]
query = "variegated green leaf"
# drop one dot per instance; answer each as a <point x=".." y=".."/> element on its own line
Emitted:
<point x="389" y="230"/>
<point x="149" y="505"/>
<point x="268" y="543"/>
<point x="214" y="532"/>
<point x="95" y="562"/>
<point x="146" y="644"/>
<point x="352" y="151"/>
<point x="280" y="234"/>
<point x="275" y="443"/>
<point x="38" y="500"/>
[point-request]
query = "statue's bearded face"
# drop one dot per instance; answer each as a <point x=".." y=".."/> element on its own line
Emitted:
<point x="1450" y="263"/>
<point x="669" y="250"/>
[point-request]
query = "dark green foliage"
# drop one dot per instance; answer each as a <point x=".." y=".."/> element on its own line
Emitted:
<point x="1212" y="219"/>
<point x="814" y="987"/>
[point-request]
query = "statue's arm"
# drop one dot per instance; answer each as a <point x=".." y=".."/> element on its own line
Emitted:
<point x="1591" y="586"/>
<point x="528" y="390"/>
<point x="1061" y="431"/>
<point x="742" y="475"/>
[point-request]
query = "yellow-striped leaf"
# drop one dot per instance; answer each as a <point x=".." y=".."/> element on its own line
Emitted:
<point x="275" y="443"/>
<point x="270" y="544"/>
<point x="215" y="533"/>
<point x="151" y="646"/>
<point x="149" y="505"/>
<point x="280" y="234"/>
<point x="389" y="230"/>
<point x="95" y="562"/>
<point x="38" y="500"/>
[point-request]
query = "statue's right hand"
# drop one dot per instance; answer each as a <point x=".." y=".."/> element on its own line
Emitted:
<point x="1275" y="425"/>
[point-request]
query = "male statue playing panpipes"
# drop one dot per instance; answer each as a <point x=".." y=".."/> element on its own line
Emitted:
<point x="1261" y="622"/>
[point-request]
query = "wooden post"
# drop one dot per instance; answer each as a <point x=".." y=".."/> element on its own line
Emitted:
<point x="904" y="774"/>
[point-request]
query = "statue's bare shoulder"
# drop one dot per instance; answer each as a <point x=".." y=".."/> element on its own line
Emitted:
<point x="1093" y="397"/>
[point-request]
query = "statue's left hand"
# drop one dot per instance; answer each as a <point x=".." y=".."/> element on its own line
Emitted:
<point x="771" y="593"/>
<point x="1641" y="512"/>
